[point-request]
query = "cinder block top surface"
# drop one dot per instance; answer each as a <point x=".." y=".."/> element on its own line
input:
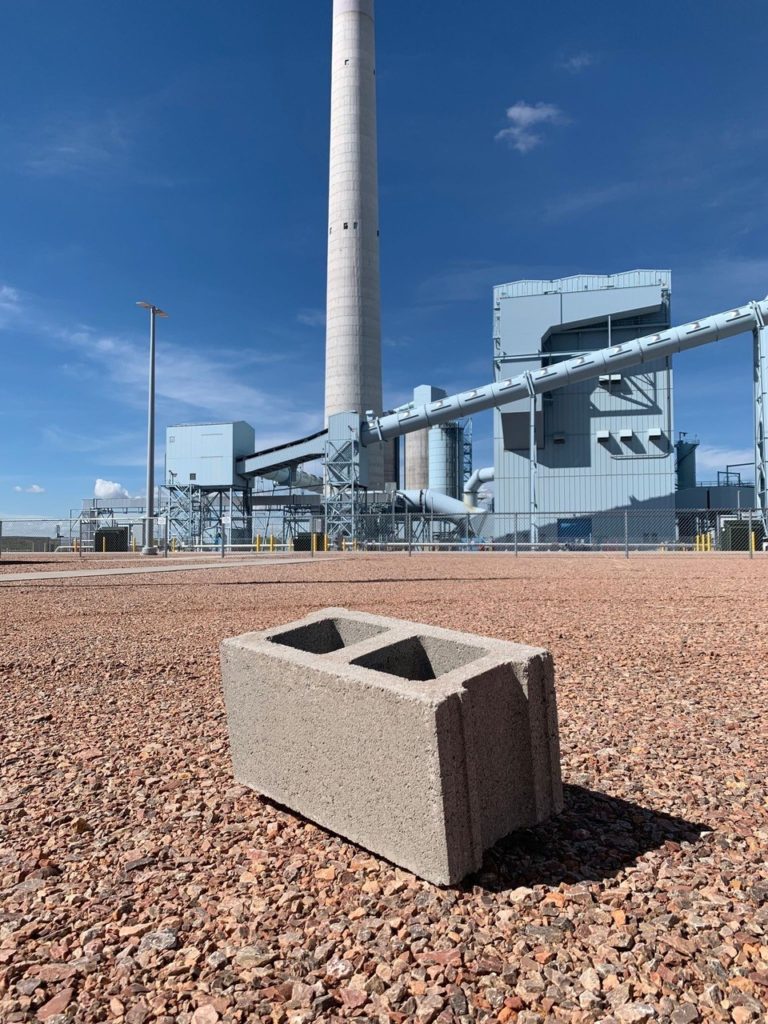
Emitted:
<point x="409" y="658"/>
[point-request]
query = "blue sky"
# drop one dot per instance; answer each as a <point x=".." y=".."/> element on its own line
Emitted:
<point x="177" y="151"/>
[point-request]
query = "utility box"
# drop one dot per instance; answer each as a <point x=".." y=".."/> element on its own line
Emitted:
<point x="423" y="745"/>
<point x="111" y="539"/>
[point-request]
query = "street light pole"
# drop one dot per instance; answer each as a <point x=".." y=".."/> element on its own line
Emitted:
<point x="149" y="547"/>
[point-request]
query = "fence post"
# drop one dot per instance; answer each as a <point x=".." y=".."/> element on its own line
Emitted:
<point x="80" y="540"/>
<point x="515" y="526"/>
<point x="751" y="537"/>
<point x="409" y="530"/>
<point x="223" y="542"/>
<point x="165" y="536"/>
<point x="1" y="538"/>
<point x="626" y="533"/>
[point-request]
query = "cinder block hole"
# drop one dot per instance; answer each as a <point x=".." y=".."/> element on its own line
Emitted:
<point x="327" y="635"/>
<point x="419" y="658"/>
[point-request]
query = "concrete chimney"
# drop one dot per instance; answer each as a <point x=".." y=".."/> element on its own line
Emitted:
<point x="353" y="332"/>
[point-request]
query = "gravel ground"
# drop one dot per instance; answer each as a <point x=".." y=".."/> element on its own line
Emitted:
<point x="138" y="883"/>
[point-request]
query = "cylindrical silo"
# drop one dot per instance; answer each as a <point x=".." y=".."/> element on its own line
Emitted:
<point x="446" y="459"/>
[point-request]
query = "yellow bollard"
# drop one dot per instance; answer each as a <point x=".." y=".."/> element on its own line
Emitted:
<point x="258" y="543"/>
<point x="343" y="543"/>
<point x="753" y="541"/>
<point x="103" y="545"/>
<point x="325" y="542"/>
<point x="271" y="542"/>
<point x="133" y="544"/>
<point x="313" y="543"/>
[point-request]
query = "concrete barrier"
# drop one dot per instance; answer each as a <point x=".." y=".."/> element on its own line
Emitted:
<point x="423" y="745"/>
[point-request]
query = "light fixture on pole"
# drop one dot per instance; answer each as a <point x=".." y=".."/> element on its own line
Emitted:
<point x="149" y="547"/>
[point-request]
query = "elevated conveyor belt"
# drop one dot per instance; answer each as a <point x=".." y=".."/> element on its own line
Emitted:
<point x="584" y="367"/>
<point x="283" y="456"/>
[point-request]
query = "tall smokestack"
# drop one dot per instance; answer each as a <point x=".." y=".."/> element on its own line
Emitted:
<point x="353" y="332"/>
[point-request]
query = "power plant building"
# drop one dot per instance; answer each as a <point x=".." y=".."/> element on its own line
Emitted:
<point x="598" y="445"/>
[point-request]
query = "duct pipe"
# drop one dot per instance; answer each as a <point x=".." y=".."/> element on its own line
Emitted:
<point x="290" y="477"/>
<point x="434" y="501"/>
<point x="472" y="486"/>
<point x="569" y="371"/>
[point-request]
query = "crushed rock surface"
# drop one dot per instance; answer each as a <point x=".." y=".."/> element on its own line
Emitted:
<point x="139" y="884"/>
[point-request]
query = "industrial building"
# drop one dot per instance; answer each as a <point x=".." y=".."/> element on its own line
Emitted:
<point x="582" y="393"/>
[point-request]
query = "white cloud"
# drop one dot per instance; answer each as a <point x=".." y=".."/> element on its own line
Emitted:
<point x="10" y="304"/>
<point x="75" y="145"/>
<point x="32" y="489"/>
<point x="523" y="119"/>
<point x="311" y="317"/>
<point x="109" y="489"/>
<point x="578" y="62"/>
<point x="711" y="458"/>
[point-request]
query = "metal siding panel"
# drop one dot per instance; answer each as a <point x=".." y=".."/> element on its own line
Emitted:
<point x="583" y="474"/>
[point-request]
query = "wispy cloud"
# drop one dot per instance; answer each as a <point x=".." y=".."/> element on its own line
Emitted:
<point x="207" y="381"/>
<point x="10" y="304"/>
<point x="591" y="199"/>
<point x="76" y="145"/>
<point x="578" y="62"/>
<point x="311" y="317"/>
<point x="108" y="146"/>
<point x="466" y="282"/>
<point x="32" y="489"/>
<point x="524" y="121"/>
<point x="718" y="283"/>
<point x="192" y="383"/>
<point x="711" y="458"/>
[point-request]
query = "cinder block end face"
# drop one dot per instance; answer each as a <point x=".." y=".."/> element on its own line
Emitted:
<point x="421" y="744"/>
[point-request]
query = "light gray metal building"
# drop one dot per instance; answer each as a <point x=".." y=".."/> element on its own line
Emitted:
<point x="597" y="445"/>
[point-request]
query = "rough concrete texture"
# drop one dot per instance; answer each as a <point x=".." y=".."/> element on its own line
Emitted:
<point x="424" y="745"/>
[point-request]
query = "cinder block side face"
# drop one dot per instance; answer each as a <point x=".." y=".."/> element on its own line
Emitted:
<point x="360" y="760"/>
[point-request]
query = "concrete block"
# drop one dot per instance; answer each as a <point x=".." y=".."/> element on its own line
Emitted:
<point x="423" y="745"/>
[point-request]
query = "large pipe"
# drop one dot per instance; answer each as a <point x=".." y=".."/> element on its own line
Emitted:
<point x="474" y="483"/>
<point x="290" y="476"/>
<point x="569" y="371"/>
<point x="434" y="501"/>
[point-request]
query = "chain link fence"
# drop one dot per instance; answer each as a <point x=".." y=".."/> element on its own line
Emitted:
<point x="623" y="531"/>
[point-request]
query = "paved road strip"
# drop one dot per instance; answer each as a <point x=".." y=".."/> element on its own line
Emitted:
<point x="26" y="577"/>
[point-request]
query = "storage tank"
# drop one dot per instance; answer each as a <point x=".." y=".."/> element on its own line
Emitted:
<point x="446" y="459"/>
<point x="686" y="463"/>
<point x="417" y="443"/>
